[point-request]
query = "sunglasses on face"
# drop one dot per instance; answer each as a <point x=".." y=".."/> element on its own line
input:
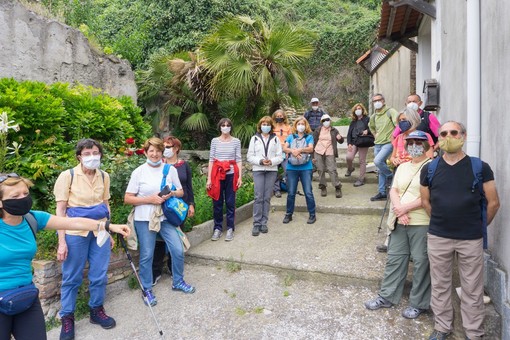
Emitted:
<point x="444" y="133"/>
<point x="3" y="178"/>
<point x="326" y="120"/>
<point x="168" y="146"/>
<point x="414" y="142"/>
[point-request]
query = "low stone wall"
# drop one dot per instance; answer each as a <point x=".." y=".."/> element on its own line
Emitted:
<point x="48" y="278"/>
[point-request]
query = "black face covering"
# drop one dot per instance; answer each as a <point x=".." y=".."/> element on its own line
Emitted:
<point x="279" y="120"/>
<point x="18" y="206"/>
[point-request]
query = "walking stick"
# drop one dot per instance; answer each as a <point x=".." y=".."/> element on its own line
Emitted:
<point x="123" y="243"/>
<point x="383" y="213"/>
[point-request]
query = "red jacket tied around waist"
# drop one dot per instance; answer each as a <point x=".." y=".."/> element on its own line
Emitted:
<point x="219" y="173"/>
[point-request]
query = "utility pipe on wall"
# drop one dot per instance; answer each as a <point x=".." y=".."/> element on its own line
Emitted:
<point x="473" y="78"/>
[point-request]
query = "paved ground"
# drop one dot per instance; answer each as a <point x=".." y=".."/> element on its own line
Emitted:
<point x="299" y="281"/>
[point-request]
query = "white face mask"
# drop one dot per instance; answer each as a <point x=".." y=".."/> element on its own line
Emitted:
<point x="326" y="123"/>
<point x="225" y="129"/>
<point x="378" y="104"/>
<point x="265" y="128"/>
<point x="413" y="105"/>
<point x="358" y="112"/>
<point x="300" y="128"/>
<point x="168" y="153"/>
<point x="91" y="162"/>
<point x="315" y="107"/>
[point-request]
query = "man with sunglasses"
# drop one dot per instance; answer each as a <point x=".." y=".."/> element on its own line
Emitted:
<point x="456" y="230"/>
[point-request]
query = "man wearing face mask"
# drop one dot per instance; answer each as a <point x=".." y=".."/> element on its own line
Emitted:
<point x="83" y="191"/>
<point x="453" y="203"/>
<point x="382" y="123"/>
<point x="429" y="122"/>
<point x="314" y="114"/>
<point x="325" y="154"/>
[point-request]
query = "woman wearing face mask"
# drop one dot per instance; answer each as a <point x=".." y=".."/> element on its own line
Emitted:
<point x="299" y="146"/>
<point x="358" y="127"/>
<point x="171" y="156"/>
<point x="325" y="139"/>
<point x="409" y="236"/>
<point x="408" y="120"/>
<point x="83" y="191"/>
<point x="18" y="248"/>
<point x="264" y="153"/>
<point x="143" y="192"/>
<point x="224" y="177"/>
<point x="282" y="130"/>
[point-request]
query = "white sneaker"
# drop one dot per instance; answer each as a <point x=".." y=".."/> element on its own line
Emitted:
<point x="230" y="235"/>
<point x="216" y="235"/>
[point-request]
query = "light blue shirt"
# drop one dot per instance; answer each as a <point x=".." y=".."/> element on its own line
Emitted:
<point x="307" y="165"/>
<point x="17" y="250"/>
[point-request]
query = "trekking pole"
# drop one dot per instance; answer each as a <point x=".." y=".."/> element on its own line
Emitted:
<point x="123" y="243"/>
<point x="383" y="213"/>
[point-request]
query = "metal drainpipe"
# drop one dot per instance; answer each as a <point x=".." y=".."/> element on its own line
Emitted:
<point x="473" y="78"/>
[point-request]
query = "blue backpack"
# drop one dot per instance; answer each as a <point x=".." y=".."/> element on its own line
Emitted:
<point x="476" y="165"/>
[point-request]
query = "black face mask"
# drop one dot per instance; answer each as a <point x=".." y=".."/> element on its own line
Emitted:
<point x="279" y="120"/>
<point x="18" y="206"/>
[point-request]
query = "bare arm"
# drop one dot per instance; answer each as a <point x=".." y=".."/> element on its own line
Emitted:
<point x="132" y="199"/>
<point x="425" y="199"/>
<point x="62" y="245"/>
<point x="81" y="223"/>
<point x="491" y="194"/>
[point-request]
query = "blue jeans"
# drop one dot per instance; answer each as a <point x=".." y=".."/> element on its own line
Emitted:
<point x="228" y="195"/>
<point x="305" y="176"/>
<point x="80" y="250"/>
<point x="381" y="154"/>
<point x="147" y="240"/>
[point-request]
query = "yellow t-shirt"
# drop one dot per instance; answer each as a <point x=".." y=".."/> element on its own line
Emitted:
<point x="82" y="192"/>
<point x="406" y="173"/>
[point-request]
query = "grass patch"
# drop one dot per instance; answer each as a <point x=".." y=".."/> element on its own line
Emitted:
<point x="240" y="311"/>
<point x="233" y="266"/>
<point x="286" y="293"/>
<point x="288" y="280"/>
<point x="258" y="310"/>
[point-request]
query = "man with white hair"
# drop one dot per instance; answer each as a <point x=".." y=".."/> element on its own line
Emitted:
<point x="314" y="114"/>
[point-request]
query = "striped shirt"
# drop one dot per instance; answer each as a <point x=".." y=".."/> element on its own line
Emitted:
<point x="225" y="151"/>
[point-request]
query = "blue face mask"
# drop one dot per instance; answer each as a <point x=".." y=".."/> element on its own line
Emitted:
<point x="265" y="128"/>
<point x="151" y="163"/>
<point x="404" y="125"/>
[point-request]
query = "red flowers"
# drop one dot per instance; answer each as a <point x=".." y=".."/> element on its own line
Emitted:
<point x="130" y="140"/>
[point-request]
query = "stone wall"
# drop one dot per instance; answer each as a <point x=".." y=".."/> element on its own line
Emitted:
<point x="37" y="48"/>
<point x="48" y="278"/>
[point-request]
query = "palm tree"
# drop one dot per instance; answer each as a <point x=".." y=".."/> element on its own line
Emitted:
<point x="248" y="59"/>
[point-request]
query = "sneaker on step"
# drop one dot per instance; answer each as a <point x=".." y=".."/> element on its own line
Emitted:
<point x="67" y="330"/>
<point x="324" y="192"/>
<point x="358" y="183"/>
<point x="379" y="197"/>
<point x="230" y="235"/>
<point x="437" y="335"/>
<point x="263" y="229"/>
<point x="255" y="231"/>
<point x="338" y="192"/>
<point x="412" y="313"/>
<point x="311" y="219"/>
<point x="149" y="298"/>
<point x="278" y="194"/>
<point x="184" y="287"/>
<point x="287" y="218"/>
<point x="98" y="316"/>
<point x="378" y="302"/>
<point x="216" y="235"/>
<point x="349" y="172"/>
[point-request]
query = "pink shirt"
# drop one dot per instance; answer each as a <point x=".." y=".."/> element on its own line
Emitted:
<point x="399" y="144"/>
<point x="324" y="145"/>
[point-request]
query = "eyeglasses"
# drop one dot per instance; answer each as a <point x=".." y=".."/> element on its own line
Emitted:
<point x="326" y="120"/>
<point x="3" y="178"/>
<point x="414" y="142"/>
<point x="444" y="133"/>
<point x="168" y="146"/>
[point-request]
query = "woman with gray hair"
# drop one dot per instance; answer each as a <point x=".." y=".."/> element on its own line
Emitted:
<point x="408" y="120"/>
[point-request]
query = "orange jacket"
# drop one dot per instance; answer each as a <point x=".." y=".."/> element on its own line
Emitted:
<point x="218" y="174"/>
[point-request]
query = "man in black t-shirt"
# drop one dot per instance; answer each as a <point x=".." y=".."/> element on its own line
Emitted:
<point x="456" y="228"/>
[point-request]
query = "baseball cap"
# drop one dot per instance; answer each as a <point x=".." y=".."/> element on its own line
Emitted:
<point x="314" y="99"/>
<point x="325" y="116"/>
<point x="417" y="135"/>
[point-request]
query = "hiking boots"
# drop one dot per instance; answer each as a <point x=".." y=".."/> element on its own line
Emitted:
<point x="379" y="197"/>
<point x="349" y="172"/>
<point x="230" y="235"/>
<point x="338" y="191"/>
<point x="184" y="287"/>
<point x="149" y="298"/>
<point x="437" y="335"/>
<point x="358" y="183"/>
<point x="216" y="235"/>
<point x="287" y="218"/>
<point x="263" y="229"/>
<point x="278" y="194"/>
<point x="255" y="231"/>
<point x="324" y="192"/>
<point x="99" y="317"/>
<point x="378" y="302"/>
<point x="67" y="331"/>
<point x="311" y="219"/>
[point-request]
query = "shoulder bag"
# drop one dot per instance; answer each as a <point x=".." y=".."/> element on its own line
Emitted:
<point x="174" y="208"/>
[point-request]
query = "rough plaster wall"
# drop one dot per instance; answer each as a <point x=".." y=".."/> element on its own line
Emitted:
<point x="495" y="98"/>
<point x="36" y="48"/>
<point x="392" y="79"/>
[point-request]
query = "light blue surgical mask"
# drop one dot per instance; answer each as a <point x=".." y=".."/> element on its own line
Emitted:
<point x="265" y="128"/>
<point x="154" y="164"/>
